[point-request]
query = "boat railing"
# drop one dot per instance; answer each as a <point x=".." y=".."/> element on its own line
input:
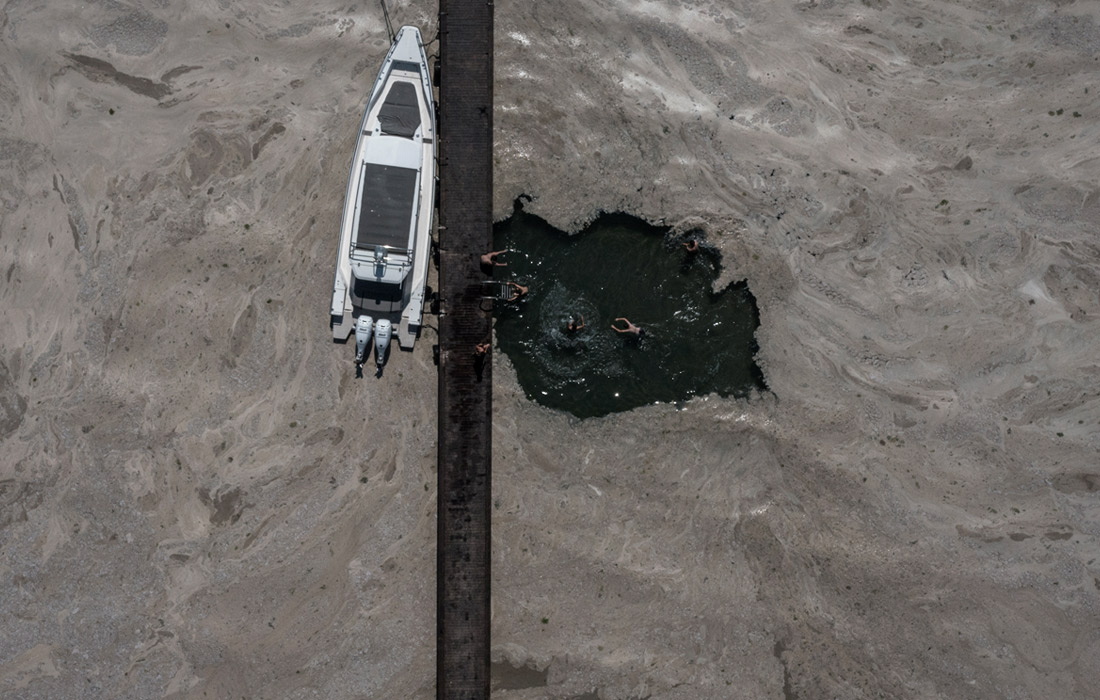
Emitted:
<point x="380" y="251"/>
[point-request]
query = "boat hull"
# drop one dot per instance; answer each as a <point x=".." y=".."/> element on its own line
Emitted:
<point x="389" y="205"/>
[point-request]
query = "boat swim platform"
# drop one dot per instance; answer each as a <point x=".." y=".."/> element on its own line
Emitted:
<point x="465" y="382"/>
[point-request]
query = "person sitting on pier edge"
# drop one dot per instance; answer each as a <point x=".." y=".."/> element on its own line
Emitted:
<point x="488" y="261"/>
<point x="481" y="352"/>
<point x="637" y="331"/>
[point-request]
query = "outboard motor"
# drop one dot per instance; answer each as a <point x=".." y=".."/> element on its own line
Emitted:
<point x="363" y="327"/>
<point x="383" y="329"/>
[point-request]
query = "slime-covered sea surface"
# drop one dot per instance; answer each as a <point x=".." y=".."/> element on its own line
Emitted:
<point x="697" y="340"/>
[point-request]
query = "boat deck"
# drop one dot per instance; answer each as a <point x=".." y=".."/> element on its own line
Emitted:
<point x="378" y="300"/>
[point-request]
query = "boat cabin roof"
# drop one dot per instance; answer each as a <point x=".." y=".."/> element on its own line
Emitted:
<point x="387" y="196"/>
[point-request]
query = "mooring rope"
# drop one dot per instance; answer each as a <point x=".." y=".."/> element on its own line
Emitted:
<point x="389" y="24"/>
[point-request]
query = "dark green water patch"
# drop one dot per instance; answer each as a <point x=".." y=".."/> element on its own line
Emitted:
<point x="697" y="340"/>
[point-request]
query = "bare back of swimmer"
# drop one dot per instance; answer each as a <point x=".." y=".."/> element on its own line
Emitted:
<point x="517" y="290"/>
<point x="489" y="260"/>
<point x="636" y="331"/>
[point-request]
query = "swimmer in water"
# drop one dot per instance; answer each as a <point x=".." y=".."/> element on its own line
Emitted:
<point x="518" y="290"/>
<point x="489" y="260"/>
<point x="572" y="326"/>
<point x="692" y="246"/>
<point x="636" y="331"/>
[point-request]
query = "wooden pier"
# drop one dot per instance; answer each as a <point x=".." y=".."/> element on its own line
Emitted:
<point x="465" y="381"/>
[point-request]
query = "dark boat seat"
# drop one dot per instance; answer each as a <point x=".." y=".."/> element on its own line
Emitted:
<point x="400" y="113"/>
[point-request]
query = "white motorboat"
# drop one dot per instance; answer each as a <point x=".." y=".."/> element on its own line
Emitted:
<point x="385" y="233"/>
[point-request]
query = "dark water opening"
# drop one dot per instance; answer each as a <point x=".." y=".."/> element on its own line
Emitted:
<point x="697" y="341"/>
<point x="505" y="676"/>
